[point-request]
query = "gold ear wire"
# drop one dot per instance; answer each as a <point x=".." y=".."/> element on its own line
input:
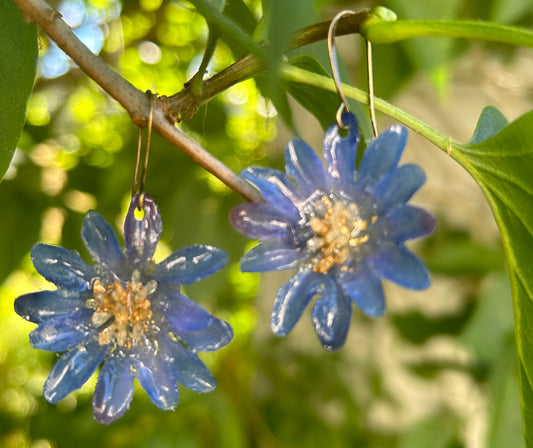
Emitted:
<point x="146" y="155"/>
<point x="334" y="66"/>
<point x="336" y="76"/>
<point x="370" y="77"/>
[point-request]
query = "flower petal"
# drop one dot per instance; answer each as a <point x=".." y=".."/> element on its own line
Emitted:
<point x="304" y="167"/>
<point x="142" y="234"/>
<point x="214" y="336"/>
<point x="364" y="288"/>
<point x="72" y="370"/>
<point x="181" y="312"/>
<point x="39" y="306"/>
<point x="276" y="189"/>
<point x="259" y="221"/>
<point x="59" y="333"/>
<point x="381" y="155"/>
<point x="340" y="151"/>
<point x="101" y="242"/>
<point x="63" y="267"/>
<point x="190" y="264"/>
<point x="271" y="255"/>
<point x="114" y="390"/>
<point x="191" y="372"/>
<point x="397" y="264"/>
<point x="406" y="222"/>
<point x="399" y="185"/>
<point x="331" y="319"/>
<point x="295" y="295"/>
<point x="157" y="379"/>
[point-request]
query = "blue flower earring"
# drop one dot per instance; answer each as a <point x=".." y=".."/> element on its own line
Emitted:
<point x="125" y="313"/>
<point x="340" y="227"/>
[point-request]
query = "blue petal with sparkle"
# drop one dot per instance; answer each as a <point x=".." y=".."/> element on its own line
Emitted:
<point x="276" y="189"/>
<point x="157" y="379"/>
<point x="114" y="389"/>
<point x="216" y="334"/>
<point x="399" y="185"/>
<point x="59" y="333"/>
<point x="63" y="267"/>
<point x="39" y="306"/>
<point x="260" y="221"/>
<point x="180" y="311"/>
<point x="406" y="222"/>
<point x="191" y="372"/>
<point x="397" y="264"/>
<point x="364" y="288"/>
<point x="72" y="370"/>
<point x="340" y="151"/>
<point x="101" y="242"/>
<point x="294" y="296"/>
<point x="381" y="155"/>
<point x="331" y="318"/>
<point x="142" y="232"/>
<point x="272" y="255"/>
<point x="304" y="167"/>
<point x="190" y="264"/>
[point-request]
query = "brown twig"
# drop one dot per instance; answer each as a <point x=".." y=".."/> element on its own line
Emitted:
<point x="178" y="106"/>
<point x="183" y="104"/>
<point x="132" y="99"/>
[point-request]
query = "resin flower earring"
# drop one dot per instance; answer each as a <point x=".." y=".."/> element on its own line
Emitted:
<point x="342" y="228"/>
<point x="125" y="312"/>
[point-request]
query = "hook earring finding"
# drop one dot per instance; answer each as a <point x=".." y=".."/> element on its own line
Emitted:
<point x="146" y="154"/>
<point x="334" y="66"/>
<point x="336" y="78"/>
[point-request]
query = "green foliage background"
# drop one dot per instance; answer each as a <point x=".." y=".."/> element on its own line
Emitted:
<point x="77" y="151"/>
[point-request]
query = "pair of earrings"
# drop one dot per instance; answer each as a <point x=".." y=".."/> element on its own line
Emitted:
<point x="340" y="227"/>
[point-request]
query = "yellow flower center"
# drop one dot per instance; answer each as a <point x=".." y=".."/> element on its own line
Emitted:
<point x="123" y="314"/>
<point x="338" y="229"/>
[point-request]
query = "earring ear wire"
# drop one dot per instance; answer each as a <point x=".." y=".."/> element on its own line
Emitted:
<point x="146" y="155"/>
<point x="336" y="77"/>
<point x="370" y="77"/>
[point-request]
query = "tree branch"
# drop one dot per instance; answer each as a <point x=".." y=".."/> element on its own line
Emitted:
<point x="183" y="104"/>
<point x="132" y="99"/>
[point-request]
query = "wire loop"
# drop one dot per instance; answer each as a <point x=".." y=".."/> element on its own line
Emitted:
<point x="336" y="77"/>
<point x="136" y="185"/>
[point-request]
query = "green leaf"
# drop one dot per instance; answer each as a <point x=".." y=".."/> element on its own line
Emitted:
<point x="226" y="26"/>
<point x="18" y="56"/>
<point x="284" y="21"/>
<point x="489" y="124"/>
<point x="322" y="104"/>
<point x="239" y="12"/>
<point x="503" y="167"/>
<point x="281" y="23"/>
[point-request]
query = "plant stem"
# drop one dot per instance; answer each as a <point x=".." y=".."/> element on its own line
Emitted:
<point x="132" y="99"/>
<point x="294" y="74"/>
<point x="383" y="32"/>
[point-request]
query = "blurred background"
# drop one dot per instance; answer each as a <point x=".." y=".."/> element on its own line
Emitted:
<point x="439" y="370"/>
